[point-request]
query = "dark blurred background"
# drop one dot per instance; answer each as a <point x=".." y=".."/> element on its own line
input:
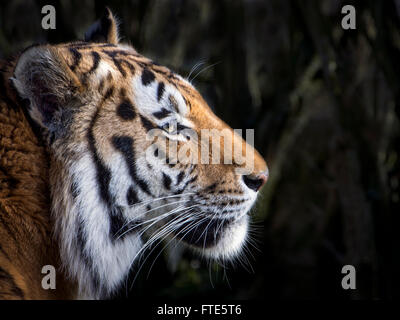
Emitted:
<point x="325" y="106"/>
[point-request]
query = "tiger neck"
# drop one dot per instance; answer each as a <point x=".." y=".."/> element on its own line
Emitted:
<point x="97" y="256"/>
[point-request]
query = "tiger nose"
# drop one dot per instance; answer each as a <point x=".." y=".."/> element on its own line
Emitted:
<point x="255" y="182"/>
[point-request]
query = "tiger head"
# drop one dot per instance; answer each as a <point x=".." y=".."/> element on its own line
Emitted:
<point x="122" y="133"/>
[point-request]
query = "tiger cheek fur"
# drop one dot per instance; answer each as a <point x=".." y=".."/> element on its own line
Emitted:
<point x="112" y="194"/>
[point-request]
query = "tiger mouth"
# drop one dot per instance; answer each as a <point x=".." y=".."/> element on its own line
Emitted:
<point x="202" y="232"/>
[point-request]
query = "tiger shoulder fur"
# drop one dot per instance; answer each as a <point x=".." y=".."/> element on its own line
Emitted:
<point x="26" y="243"/>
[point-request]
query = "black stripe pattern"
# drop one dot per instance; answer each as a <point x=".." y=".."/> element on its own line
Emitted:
<point x="96" y="61"/>
<point x="6" y="278"/>
<point x="87" y="259"/>
<point x="131" y="196"/>
<point x="124" y="144"/>
<point x="76" y="56"/>
<point x="163" y="113"/>
<point x="166" y="181"/>
<point x="147" y="77"/>
<point x="103" y="175"/>
<point x="147" y="124"/>
<point x="126" y="111"/>
<point x="160" y="90"/>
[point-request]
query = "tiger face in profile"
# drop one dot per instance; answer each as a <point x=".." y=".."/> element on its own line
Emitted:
<point x="113" y="190"/>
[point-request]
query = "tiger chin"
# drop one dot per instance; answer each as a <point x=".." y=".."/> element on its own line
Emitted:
<point x="112" y="194"/>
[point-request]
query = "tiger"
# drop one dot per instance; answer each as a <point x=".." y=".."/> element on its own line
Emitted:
<point x="79" y="188"/>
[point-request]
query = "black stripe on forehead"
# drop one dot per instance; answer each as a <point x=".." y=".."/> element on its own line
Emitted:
<point x="147" y="77"/>
<point x="124" y="144"/>
<point x="114" y="53"/>
<point x="96" y="61"/>
<point x="95" y="65"/>
<point x="76" y="57"/>
<point x="129" y="65"/>
<point x="87" y="45"/>
<point x="122" y="60"/>
<point x="144" y="64"/>
<point x="116" y="61"/>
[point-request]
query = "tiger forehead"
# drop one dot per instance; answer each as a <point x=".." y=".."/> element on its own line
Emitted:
<point x="85" y="59"/>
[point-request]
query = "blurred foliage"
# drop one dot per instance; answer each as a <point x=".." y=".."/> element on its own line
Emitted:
<point x="325" y="105"/>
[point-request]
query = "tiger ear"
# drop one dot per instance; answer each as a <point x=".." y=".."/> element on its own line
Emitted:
<point x="103" y="30"/>
<point x="43" y="78"/>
